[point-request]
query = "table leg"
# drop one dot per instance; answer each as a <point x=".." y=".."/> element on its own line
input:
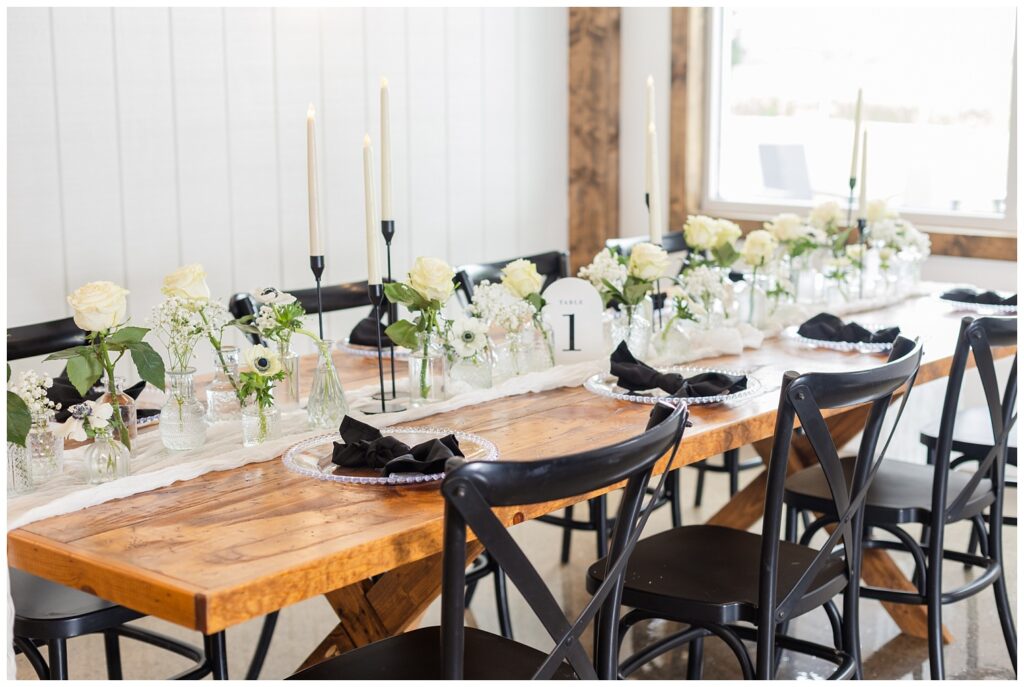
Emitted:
<point x="371" y="610"/>
<point x="879" y="569"/>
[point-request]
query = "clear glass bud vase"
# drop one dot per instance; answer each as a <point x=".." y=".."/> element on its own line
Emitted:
<point x="260" y="424"/>
<point x="327" y="405"/>
<point x="183" y="418"/>
<point x="126" y="405"/>
<point x="286" y="392"/>
<point x="106" y="458"/>
<point x="222" y="404"/>
<point x="19" y="479"/>
<point x="468" y="373"/>
<point x="427" y="373"/>
<point x="45" y="448"/>
<point x="632" y="324"/>
<point x="542" y="346"/>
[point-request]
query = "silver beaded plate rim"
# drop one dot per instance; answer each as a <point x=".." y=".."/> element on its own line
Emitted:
<point x="845" y="346"/>
<point x="291" y="457"/>
<point x="604" y="384"/>
<point x="981" y="308"/>
<point x="370" y="351"/>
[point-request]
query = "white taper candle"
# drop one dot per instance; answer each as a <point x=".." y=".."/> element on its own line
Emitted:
<point x="654" y="215"/>
<point x="385" y="151"/>
<point x="862" y="209"/>
<point x="315" y="244"/>
<point x="648" y="120"/>
<point x="372" y="228"/>
<point x="856" y="133"/>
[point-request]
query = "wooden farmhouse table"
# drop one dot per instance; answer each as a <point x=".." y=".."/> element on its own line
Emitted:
<point x="229" y="546"/>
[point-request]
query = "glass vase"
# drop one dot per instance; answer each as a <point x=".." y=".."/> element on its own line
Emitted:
<point x="222" y="404"/>
<point x="183" y="418"/>
<point x="286" y="392"/>
<point x="541" y="354"/>
<point x="260" y="424"/>
<point x="126" y="405"/>
<point x="632" y="324"/>
<point x="510" y="356"/>
<point x="754" y="300"/>
<point x="427" y="373"/>
<point x="106" y="458"/>
<point x="19" y="476"/>
<point x="469" y="374"/>
<point x="45" y="448"/>
<point x="327" y="405"/>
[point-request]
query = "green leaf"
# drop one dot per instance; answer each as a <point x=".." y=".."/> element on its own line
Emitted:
<point x="148" y="362"/>
<point x="84" y="371"/>
<point x="536" y="301"/>
<point x="70" y="353"/>
<point x="635" y="290"/>
<point x="725" y="255"/>
<point x="19" y="420"/>
<point x="247" y="328"/>
<point x="404" y="333"/>
<point x="127" y="335"/>
<point x="398" y="292"/>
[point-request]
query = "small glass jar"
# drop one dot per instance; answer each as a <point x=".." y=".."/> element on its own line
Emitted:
<point x="286" y="392"/>
<point x="126" y="405"/>
<point x="542" y="347"/>
<point x="467" y="374"/>
<point x="260" y="424"/>
<point x="754" y="299"/>
<point x="427" y="373"/>
<point x="222" y="404"/>
<point x="106" y="458"/>
<point x="183" y="418"/>
<point x="45" y="448"/>
<point x="327" y="405"/>
<point x="632" y="324"/>
<point x="19" y="477"/>
<point x="510" y="355"/>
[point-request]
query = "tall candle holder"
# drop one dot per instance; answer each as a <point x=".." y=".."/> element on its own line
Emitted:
<point x="849" y="205"/>
<point x="387" y="229"/>
<point x="376" y="293"/>
<point x="316" y="263"/>
<point x="862" y="228"/>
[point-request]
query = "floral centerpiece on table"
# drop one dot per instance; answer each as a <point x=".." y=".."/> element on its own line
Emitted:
<point x="469" y="360"/>
<point x="86" y="418"/>
<point x="795" y="235"/>
<point x="100" y="309"/>
<point x="523" y="280"/>
<point x="759" y="249"/>
<point x="892" y="235"/>
<point x="706" y="298"/>
<point x="257" y="391"/>
<point x="31" y="389"/>
<point x="712" y="242"/>
<point x="828" y="218"/>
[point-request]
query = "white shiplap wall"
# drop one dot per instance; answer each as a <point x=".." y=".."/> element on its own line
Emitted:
<point x="142" y="139"/>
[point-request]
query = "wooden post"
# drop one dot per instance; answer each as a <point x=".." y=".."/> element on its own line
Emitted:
<point x="593" y="131"/>
<point x="686" y="148"/>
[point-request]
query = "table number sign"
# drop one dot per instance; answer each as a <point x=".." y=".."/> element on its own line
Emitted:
<point x="574" y="311"/>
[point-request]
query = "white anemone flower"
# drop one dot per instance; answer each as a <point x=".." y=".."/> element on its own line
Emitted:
<point x="268" y="295"/>
<point x="468" y="336"/>
<point x="88" y="414"/>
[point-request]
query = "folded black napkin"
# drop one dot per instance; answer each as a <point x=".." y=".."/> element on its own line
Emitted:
<point x="634" y="375"/>
<point x="365" y="332"/>
<point x="827" y="327"/>
<point x="366" y="447"/>
<point x="965" y="295"/>
<point x="65" y="393"/>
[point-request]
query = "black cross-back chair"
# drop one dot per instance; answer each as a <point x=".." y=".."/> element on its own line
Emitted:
<point x="43" y="338"/>
<point x="552" y="265"/>
<point x="937" y="495"/>
<point x="673" y="242"/>
<point x="471" y="490"/>
<point x="335" y="297"/>
<point x="713" y="577"/>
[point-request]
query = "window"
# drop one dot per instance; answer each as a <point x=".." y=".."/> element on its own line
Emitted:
<point x="938" y="106"/>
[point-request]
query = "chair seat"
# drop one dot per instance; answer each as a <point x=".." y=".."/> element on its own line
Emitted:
<point x="46" y="610"/>
<point x="416" y="655"/>
<point x="972" y="434"/>
<point x="706" y="573"/>
<point x="901" y="492"/>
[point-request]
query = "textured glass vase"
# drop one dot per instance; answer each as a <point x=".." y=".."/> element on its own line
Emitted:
<point x="45" y="448"/>
<point x="222" y="404"/>
<point x="286" y="392"/>
<point x="327" y="405"/>
<point x="126" y="405"/>
<point x="106" y="458"/>
<point x="632" y="324"/>
<point x="260" y="424"/>
<point x="19" y="479"/>
<point x="468" y="374"/>
<point x="183" y="418"/>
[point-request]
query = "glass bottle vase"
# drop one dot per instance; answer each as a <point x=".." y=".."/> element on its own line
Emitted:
<point x="327" y="405"/>
<point x="106" y="458"/>
<point x="222" y="404"/>
<point x="19" y="477"/>
<point x="541" y="348"/>
<point x="465" y="374"/>
<point x="286" y="392"/>
<point x="183" y="418"/>
<point x="427" y="373"/>
<point x="260" y="424"/>
<point x="632" y="324"/>
<point x="126" y="406"/>
<point x="45" y="448"/>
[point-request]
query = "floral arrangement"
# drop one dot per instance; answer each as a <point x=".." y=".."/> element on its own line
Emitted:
<point x="703" y="287"/>
<point x="711" y="241"/>
<point x="257" y="383"/>
<point x="87" y="419"/>
<point x="496" y="305"/>
<point x="633" y="280"/>
<point x="466" y="337"/>
<point x="794" y="234"/>
<point x="280" y="316"/>
<point x="608" y="268"/>
<point x="31" y="388"/>
<point x="828" y="218"/>
<point x="893" y="235"/>
<point x="523" y="281"/>
<point x="100" y="309"/>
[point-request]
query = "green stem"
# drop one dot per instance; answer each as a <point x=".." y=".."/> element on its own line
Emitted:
<point x="115" y="400"/>
<point x="216" y="343"/>
<point x="753" y="287"/>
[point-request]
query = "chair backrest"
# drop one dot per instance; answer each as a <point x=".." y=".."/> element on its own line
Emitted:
<point x="43" y="338"/>
<point x="978" y="337"/>
<point x="473" y="489"/>
<point x="802" y="398"/>
<point x="552" y="265"/>
<point x="335" y="297"/>
<point x="673" y="242"/>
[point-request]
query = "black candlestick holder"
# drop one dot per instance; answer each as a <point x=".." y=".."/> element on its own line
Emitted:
<point x="376" y="293"/>
<point x="862" y="229"/>
<point x="849" y="205"/>
<point x="316" y="263"/>
<point x="387" y="229"/>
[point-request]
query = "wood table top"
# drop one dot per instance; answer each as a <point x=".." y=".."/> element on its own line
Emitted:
<point x="229" y="546"/>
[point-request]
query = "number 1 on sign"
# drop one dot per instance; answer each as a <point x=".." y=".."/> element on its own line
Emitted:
<point x="572" y="332"/>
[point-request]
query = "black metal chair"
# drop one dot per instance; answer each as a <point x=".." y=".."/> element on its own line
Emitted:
<point x="552" y="265"/>
<point x="673" y="242"/>
<point x="335" y="297"/>
<point x="714" y="577"/>
<point x="43" y="338"/>
<point x="731" y="465"/>
<point x="471" y="490"/>
<point x="937" y="495"/>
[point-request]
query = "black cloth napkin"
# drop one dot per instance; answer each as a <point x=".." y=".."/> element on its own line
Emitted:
<point x="366" y="447"/>
<point x="965" y="295"/>
<point x="65" y="393"/>
<point x="634" y="375"/>
<point x="828" y="327"/>
<point x="365" y="332"/>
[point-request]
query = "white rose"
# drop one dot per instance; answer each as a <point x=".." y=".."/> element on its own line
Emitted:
<point x="99" y="305"/>
<point x="876" y="211"/>
<point x="521" y="278"/>
<point x="726" y="232"/>
<point x="786" y="227"/>
<point x="648" y="261"/>
<point x="758" y="248"/>
<point x="187" y="282"/>
<point x="700" y="232"/>
<point x="855" y="252"/>
<point x="268" y="295"/>
<point x="826" y="215"/>
<point x="432" y="279"/>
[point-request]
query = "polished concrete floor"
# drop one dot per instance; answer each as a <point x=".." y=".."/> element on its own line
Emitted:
<point x="977" y="652"/>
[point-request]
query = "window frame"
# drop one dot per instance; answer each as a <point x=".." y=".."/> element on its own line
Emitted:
<point x="1005" y="225"/>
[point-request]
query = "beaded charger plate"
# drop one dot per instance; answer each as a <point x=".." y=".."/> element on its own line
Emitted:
<point x="980" y="308"/>
<point x="846" y="346"/>
<point x="312" y="457"/>
<point x="370" y="351"/>
<point x="605" y="384"/>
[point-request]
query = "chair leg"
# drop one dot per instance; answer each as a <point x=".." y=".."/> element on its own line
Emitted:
<point x="995" y="550"/>
<point x="566" y="538"/>
<point x="933" y="595"/>
<point x="112" y="648"/>
<point x="672" y="488"/>
<point x="599" y="515"/>
<point x="699" y="496"/>
<point x="35" y="658"/>
<point x="695" y="661"/>
<point x="732" y="463"/>
<point x="215" y="647"/>
<point x="501" y="599"/>
<point x="262" y="646"/>
<point x="58" y="650"/>
<point x="470" y="590"/>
